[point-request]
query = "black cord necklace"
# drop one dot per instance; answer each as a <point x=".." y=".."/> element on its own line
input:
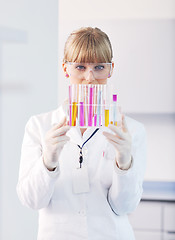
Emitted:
<point x="81" y="147"/>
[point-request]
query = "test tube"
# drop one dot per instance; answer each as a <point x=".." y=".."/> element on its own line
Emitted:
<point x="95" y="105"/>
<point x="70" y="105"/>
<point x="115" y="109"/>
<point x="107" y="101"/>
<point x="86" y="104"/>
<point x="98" y="105"/>
<point x="90" y="107"/>
<point x="74" y="104"/>
<point x="81" y="106"/>
<point x="102" y="106"/>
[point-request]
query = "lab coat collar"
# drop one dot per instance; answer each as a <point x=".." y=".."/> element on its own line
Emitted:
<point x="76" y="137"/>
<point x="74" y="133"/>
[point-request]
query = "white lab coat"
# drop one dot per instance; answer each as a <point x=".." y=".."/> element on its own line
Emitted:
<point x="100" y="214"/>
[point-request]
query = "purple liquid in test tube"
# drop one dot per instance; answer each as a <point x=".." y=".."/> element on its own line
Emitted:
<point x="81" y="113"/>
<point x="81" y="106"/>
<point x="95" y="120"/>
<point x="90" y="116"/>
<point x="70" y="105"/>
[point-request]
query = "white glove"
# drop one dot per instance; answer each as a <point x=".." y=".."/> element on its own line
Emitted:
<point x="121" y="140"/>
<point x="54" y="141"/>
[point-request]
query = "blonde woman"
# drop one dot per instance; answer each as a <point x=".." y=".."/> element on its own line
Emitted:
<point x="94" y="202"/>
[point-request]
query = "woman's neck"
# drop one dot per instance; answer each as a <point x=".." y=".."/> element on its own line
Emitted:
<point x="82" y="130"/>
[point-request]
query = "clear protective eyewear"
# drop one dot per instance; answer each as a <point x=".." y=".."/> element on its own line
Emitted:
<point x="81" y="70"/>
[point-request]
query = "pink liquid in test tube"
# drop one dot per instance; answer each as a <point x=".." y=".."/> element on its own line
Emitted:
<point x="90" y="116"/>
<point x="81" y="114"/>
<point x="70" y="105"/>
<point x="95" y="120"/>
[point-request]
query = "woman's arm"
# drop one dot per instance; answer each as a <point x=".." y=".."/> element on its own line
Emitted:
<point x="36" y="183"/>
<point x="126" y="189"/>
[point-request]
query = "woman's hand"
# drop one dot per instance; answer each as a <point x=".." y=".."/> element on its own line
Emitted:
<point x="121" y="141"/>
<point x="54" y="141"/>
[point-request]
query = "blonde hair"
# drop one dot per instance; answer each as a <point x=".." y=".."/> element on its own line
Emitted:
<point x="88" y="45"/>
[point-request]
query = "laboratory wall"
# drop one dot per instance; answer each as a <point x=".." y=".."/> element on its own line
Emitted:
<point x="28" y="86"/>
<point x="142" y="34"/>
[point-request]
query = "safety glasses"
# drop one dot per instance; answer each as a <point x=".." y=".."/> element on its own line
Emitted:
<point x="81" y="70"/>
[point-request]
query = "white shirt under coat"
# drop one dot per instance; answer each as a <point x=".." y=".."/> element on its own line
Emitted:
<point x="100" y="214"/>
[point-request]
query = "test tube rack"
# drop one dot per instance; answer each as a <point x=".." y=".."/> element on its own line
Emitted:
<point x="93" y="105"/>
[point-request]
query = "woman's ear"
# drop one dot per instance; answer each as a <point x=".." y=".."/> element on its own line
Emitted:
<point x="64" y="66"/>
<point x="112" y="68"/>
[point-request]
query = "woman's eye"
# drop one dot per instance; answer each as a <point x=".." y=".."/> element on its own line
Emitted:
<point x="80" y="67"/>
<point x="99" y="67"/>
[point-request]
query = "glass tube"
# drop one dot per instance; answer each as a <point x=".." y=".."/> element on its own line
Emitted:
<point x="95" y="106"/>
<point x="81" y="106"/>
<point x="90" y="106"/>
<point x="98" y="105"/>
<point x="107" y="105"/>
<point x="115" y="109"/>
<point x="74" y="104"/>
<point x="70" y="105"/>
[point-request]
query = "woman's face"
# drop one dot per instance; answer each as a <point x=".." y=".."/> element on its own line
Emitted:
<point x="88" y="73"/>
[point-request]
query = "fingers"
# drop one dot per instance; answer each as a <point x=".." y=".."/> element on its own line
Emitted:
<point x="60" y="124"/>
<point x="120" y="132"/>
<point x="116" y="145"/>
<point x="60" y="139"/>
<point x="119" y="136"/>
<point x="124" y="125"/>
<point x="117" y="131"/>
<point x="55" y="134"/>
<point x="112" y="137"/>
<point x="61" y="131"/>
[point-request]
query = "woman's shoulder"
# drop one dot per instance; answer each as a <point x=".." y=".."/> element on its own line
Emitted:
<point x="48" y="118"/>
<point x="134" y="126"/>
<point x="133" y="122"/>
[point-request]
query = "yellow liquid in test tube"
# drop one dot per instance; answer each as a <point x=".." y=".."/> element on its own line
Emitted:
<point x="106" y="117"/>
<point x="74" y="113"/>
<point x="114" y="124"/>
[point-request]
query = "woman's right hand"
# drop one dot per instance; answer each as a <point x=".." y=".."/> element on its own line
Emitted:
<point x="54" y="141"/>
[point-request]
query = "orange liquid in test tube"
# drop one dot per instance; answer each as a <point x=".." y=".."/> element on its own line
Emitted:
<point x="74" y="113"/>
<point x="106" y="117"/>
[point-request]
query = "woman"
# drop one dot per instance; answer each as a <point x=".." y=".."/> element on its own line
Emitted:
<point x="91" y="202"/>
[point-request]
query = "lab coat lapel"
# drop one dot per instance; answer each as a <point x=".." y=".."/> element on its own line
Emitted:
<point x="74" y="133"/>
<point x="88" y="133"/>
<point x="76" y="137"/>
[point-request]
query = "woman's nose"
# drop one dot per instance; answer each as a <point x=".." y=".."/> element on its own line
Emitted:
<point x="90" y="76"/>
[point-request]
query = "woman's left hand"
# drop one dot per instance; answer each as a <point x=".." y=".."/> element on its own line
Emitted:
<point x="121" y="141"/>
